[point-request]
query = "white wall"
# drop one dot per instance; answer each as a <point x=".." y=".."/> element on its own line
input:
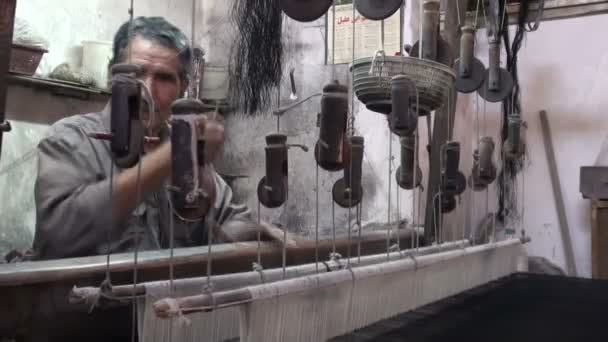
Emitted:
<point x="561" y="70"/>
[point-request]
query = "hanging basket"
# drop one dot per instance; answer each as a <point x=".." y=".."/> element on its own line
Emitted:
<point x="372" y="81"/>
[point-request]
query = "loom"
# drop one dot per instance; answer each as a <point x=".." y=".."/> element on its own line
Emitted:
<point x="331" y="290"/>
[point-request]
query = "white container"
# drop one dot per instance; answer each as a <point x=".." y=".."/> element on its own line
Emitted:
<point x="95" y="58"/>
<point x="215" y="83"/>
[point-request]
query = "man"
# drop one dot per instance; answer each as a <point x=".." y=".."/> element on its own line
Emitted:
<point x="72" y="191"/>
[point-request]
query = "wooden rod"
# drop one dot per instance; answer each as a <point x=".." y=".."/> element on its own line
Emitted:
<point x="154" y="265"/>
<point x="7" y="21"/>
<point x="557" y="194"/>
<point x="169" y="307"/>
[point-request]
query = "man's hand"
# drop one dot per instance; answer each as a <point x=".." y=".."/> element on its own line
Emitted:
<point x="211" y="130"/>
<point x="238" y="231"/>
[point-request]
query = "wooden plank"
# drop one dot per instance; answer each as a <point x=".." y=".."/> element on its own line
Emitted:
<point x="599" y="239"/>
<point x="7" y="20"/>
<point x="557" y="194"/>
<point x="188" y="262"/>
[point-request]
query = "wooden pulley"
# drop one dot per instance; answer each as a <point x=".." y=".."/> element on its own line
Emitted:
<point x="187" y="154"/>
<point x="403" y="121"/>
<point x="470" y="71"/>
<point x="347" y="191"/>
<point x="453" y="182"/>
<point x="447" y="202"/>
<point x="331" y="149"/>
<point x="127" y="131"/>
<point x="305" y="10"/>
<point x="378" y="9"/>
<point x="498" y="82"/>
<point x="514" y="147"/>
<point x="405" y="173"/>
<point x="272" y="188"/>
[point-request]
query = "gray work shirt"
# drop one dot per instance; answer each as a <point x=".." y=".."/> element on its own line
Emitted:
<point x="72" y="195"/>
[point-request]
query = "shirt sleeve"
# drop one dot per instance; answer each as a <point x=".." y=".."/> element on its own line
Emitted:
<point x="72" y="196"/>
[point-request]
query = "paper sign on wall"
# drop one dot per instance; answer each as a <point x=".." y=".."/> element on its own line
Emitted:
<point x="367" y="35"/>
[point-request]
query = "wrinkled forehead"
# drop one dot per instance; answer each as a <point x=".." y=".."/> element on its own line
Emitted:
<point x="152" y="56"/>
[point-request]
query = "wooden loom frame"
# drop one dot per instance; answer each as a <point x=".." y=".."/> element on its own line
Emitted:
<point x="24" y="285"/>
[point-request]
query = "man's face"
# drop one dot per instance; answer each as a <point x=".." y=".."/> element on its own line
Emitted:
<point x="160" y="67"/>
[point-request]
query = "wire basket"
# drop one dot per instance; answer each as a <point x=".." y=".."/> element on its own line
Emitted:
<point x="372" y="81"/>
<point x="25" y="59"/>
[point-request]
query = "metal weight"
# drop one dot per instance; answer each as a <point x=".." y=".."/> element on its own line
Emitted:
<point x="403" y="121"/>
<point x="470" y="71"/>
<point x="332" y="144"/>
<point x="378" y="9"/>
<point x="347" y="191"/>
<point x="405" y="173"/>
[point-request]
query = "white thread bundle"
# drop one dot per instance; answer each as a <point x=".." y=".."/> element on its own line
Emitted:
<point x="319" y="307"/>
<point x="217" y="325"/>
<point x="225" y="323"/>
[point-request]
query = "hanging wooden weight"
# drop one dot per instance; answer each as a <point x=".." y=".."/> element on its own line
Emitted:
<point x="126" y="128"/>
<point x="475" y="183"/>
<point x="347" y="191"/>
<point x="453" y="181"/>
<point x="272" y="188"/>
<point x="378" y="9"/>
<point x="403" y="121"/>
<point x="498" y="82"/>
<point x="514" y="146"/>
<point x="470" y="71"/>
<point x="484" y="170"/>
<point x="331" y="148"/>
<point x="187" y="154"/>
<point x="405" y="173"/>
<point x="434" y="47"/>
<point x="305" y="10"/>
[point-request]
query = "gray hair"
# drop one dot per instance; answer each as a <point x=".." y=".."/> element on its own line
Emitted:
<point x="158" y="30"/>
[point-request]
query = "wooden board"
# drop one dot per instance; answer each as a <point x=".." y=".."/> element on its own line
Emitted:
<point x="7" y="19"/>
<point x="599" y="239"/>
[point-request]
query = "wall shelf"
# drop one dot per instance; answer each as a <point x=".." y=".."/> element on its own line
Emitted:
<point x="60" y="88"/>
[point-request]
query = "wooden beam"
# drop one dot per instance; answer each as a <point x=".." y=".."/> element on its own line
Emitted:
<point x="557" y="193"/>
<point x="599" y="239"/>
<point x="7" y="21"/>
